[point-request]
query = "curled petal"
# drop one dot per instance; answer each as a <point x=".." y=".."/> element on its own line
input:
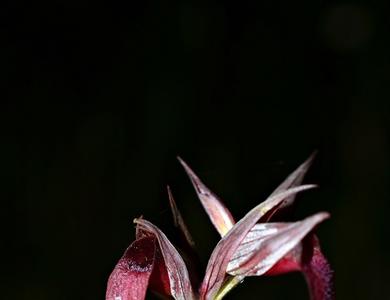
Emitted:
<point x="264" y="253"/>
<point x="219" y="215"/>
<point x="130" y="277"/>
<point x="227" y="246"/>
<point x="179" y="279"/>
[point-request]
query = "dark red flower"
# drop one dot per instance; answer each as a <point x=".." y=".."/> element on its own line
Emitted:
<point x="251" y="247"/>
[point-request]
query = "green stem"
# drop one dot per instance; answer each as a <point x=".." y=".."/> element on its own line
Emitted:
<point x="229" y="284"/>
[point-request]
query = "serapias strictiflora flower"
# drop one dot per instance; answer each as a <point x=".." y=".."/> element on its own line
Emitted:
<point x="253" y="246"/>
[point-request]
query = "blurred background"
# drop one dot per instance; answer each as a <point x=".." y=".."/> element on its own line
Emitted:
<point x="98" y="99"/>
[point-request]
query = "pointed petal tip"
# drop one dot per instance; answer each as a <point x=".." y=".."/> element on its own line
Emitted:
<point x="312" y="185"/>
<point x="181" y="161"/>
<point x="301" y="187"/>
<point x="312" y="156"/>
<point x="320" y="216"/>
<point x="219" y="215"/>
<point x="293" y="180"/>
<point x="194" y="178"/>
<point x="324" y="214"/>
<point x="305" y="187"/>
<point x="172" y="204"/>
<point x="187" y="168"/>
<point x="172" y="201"/>
<point x="308" y="162"/>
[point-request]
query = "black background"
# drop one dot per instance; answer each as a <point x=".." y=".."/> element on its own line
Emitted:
<point x="99" y="97"/>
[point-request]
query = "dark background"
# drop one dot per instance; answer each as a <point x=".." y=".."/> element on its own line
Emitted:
<point x="99" y="98"/>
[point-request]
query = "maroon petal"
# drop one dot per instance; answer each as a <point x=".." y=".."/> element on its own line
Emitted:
<point x="219" y="215"/>
<point x="159" y="281"/>
<point x="264" y="253"/>
<point x="130" y="277"/>
<point x="179" y="279"/>
<point x="225" y="249"/>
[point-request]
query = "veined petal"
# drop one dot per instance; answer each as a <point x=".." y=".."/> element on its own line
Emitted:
<point x="219" y="215"/>
<point x="258" y="234"/>
<point x="308" y="259"/>
<point x="130" y="277"/>
<point x="264" y="253"/>
<point x="253" y="241"/>
<point x="227" y="246"/>
<point x="177" y="271"/>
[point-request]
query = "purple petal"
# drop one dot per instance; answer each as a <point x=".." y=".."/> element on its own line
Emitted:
<point x="225" y="249"/>
<point x="264" y="253"/>
<point x="177" y="271"/>
<point x="130" y="277"/>
<point x="219" y="215"/>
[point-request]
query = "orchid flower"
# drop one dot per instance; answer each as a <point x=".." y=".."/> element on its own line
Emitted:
<point x="253" y="246"/>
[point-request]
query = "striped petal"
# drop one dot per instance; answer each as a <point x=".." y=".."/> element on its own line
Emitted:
<point x="268" y="246"/>
<point x="225" y="249"/>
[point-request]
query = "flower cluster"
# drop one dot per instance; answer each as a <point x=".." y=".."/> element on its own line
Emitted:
<point x="253" y="246"/>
